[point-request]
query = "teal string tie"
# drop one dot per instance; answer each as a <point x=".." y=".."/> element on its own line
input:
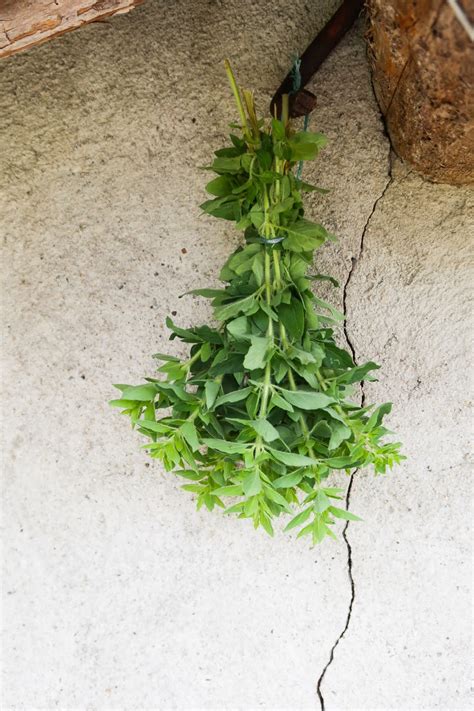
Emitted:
<point x="299" y="169"/>
<point x="296" y="74"/>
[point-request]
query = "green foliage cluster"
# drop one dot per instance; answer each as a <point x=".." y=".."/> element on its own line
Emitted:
<point x="260" y="414"/>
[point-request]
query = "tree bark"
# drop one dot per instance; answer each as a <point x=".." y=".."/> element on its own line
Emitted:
<point x="25" y="23"/>
<point x="423" y="71"/>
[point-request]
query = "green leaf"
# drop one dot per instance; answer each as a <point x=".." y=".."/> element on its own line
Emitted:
<point x="320" y="530"/>
<point x="266" y="523"/>
<point x="186" y="474"/>
<point x="185" y="334"/>
<point x="220" y="186"/>
<point x="265" y="429"/>
<point x="210" y="335"/>
<point x="243" y="255"/>
<point x="304" y="236"/>
<point x="339" y="433"/>
<point x="127" y="404"/>
<point x="335" y="415"/>
<point x="165" y="357"/>
<point x="281" y="403"/>
<point x="318" y="139"/>
<point x="277" y="498"/>
<point x="236" y="508"/>
<point x="230" y="490"/>
<point x="303" y="356"/>
<point x="238" y="327"/>
<point x="257" y="216"/>
<point x="333" y="491"/>
<point x="143" y="393"/>
<point x="306" y="530"/>
<point x="251" y="483"/>
<point x="355" y="375"/>
<point x="308" y="188"/>
<point x="211" y="390"/>
<point x="343" y="462"/>
<point x="223" y="445"/>
<point x="288" y="480"/>
<point x="334" y="313"/>
<point x="342" y="513"/>
<point x="248" y="305"/>
<point x="285" y="187"/>
<point x="255" y="357"/>
<point x="206" y="352"/>
<point x="306" y="145"/>
<point x="208" y="293"/>
<point x="224" y="207"/>
<point x="194" y="488"/>
<point x="238" y="142"/>
<point x="291" y="459"/>
<point x="292" y="317"/>
<point x="152" y="425"/>
<point x="234" y="396"/>
<point x="228" y="364"/>
<point x="190" y="435"/>
<point x="307" y="400"/>
<point x="257" y="268"/>
<point x="321" y="502"/>
<point x="224" y="164"/>
<point x="176" y="388"/>
<point x="278" y="129"/>
<point x="302" y="151"/>
<point x="377" y="416"/>
<point x="299" y="518"/>
<point x="251" y="505"/>
<point x="230" y="151"/>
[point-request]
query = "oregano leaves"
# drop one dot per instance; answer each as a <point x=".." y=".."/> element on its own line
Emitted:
<point x="263" y="409"/>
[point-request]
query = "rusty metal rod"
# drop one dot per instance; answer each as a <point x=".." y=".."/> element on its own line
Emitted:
<point x="315" y="54"/>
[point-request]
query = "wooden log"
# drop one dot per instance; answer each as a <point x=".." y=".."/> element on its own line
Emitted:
<point x="422" y="60"/>
<point x="25" y="23"/>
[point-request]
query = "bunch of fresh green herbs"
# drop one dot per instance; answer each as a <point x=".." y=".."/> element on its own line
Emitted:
<point x="260" y="414"/>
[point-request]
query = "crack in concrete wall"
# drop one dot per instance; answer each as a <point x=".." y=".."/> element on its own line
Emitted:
<point x="354" y="261"/>
<point x="351" y="601"/>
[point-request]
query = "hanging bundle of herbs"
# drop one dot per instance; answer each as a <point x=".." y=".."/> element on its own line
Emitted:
<point x="260" y="413"/>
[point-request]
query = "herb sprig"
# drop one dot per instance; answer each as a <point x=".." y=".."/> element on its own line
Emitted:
<point x="260" y="413"/>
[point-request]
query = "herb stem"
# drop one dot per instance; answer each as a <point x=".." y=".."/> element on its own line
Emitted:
<point x="238" y="100"/>
<point x="285" y="109"/>
<point x="188" y="363"/>
<point x="324" y="387"/>
<point x="268" y="367"/>
<point x="285" y="344"/>
<point x="268" y="299"/>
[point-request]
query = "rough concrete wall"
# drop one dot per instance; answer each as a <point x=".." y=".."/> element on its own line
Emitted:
<point x="118" y="593"/>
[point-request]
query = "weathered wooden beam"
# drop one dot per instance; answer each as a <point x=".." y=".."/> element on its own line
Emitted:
<point x="26" y="23"/>
<point x="422" y="59"/>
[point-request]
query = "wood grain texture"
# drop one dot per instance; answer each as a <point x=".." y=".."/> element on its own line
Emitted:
<point x="423" y="72"/>
<point x="26" y="23"/>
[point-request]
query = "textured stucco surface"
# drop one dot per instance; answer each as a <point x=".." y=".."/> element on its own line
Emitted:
<point x="117" y="593"/>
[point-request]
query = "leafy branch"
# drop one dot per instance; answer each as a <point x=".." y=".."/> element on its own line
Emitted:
<point x="261" y="412"/>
